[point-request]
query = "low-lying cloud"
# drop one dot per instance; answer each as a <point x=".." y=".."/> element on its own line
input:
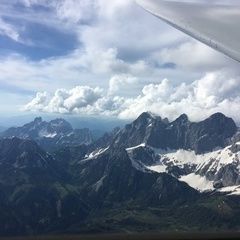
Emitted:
<point x="215" y="92"/>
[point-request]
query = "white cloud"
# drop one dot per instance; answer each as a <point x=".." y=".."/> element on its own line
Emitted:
<point x="120" y="41"/>
<point x="216" y="86"/>
<point x="29" y="3"/>
<point x="118" y="82"/>
<point x="76" y="10"/>
<point x="79" y="67"/>
<point x="80" y="97"/>
<point x="9" y="30"/>
<point x="65" y="101"/>
<point x="215" y="92"/>
<point x="123" y="25"/>
<point x="38" y="103"/>
<point x="199" y="99"/>
<point x="193" y="55"/>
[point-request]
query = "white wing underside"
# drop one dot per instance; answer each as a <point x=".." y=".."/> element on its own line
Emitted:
<point x="218" y="26"/>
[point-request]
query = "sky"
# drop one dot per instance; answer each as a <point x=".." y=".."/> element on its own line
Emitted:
<point x="108" y="59"/>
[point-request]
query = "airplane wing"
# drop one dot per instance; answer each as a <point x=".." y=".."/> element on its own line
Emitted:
<point x="218" y="26"/>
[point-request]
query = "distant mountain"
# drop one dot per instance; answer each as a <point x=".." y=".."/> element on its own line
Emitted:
<point x="50" y="135"/>
<point x="21" y="154"/>
<point x="100" y="124"/>
<point x="2" y="129"/>
<point x="200" y="137"/>
<point x="105" y="140"/>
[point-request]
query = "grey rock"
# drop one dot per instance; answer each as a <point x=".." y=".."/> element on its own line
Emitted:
<point x="204" y="136"/>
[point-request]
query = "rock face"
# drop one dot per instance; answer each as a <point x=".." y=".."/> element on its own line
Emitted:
<point x="110" y="178"/>
<point x="104" y="141"/>
<point x="51" y="135"/>
<point x="21" y="154"/>
<point x="210" y="133"/>
<point x="201" y="137"/>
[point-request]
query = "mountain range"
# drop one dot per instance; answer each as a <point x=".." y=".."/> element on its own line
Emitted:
<point x="151" y="175"/>
<point x="51" y="135"/>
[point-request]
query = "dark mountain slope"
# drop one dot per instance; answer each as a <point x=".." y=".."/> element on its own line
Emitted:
<point x="111" y="177"/>
<point x="35" y="189"/>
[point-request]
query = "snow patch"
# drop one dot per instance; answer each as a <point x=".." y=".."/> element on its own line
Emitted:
<point x="150" y="125"/>
<point x="99" y="184"/>
<point x="198" y="182"/>
<point x="47" y="134"/>
<point x="194" y="163"/>
<point x="232" y="190"/>
<point x="218" y="158"/>
<point x="95" y="154"/>
<point x="135" y="163"/>
<point x="158" y="168"/>
<point x="133" y="148"/>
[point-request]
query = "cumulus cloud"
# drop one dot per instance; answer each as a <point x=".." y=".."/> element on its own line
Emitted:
<point x="65" y="101"/>
<point x="199" y="99"/>
<point x="38" y="103"/>
<point x="118" y="82"/>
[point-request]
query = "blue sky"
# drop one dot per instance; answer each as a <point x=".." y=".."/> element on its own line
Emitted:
<point x="107" y="58"/>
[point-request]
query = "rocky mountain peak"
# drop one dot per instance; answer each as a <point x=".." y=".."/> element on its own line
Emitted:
<point x="148" y="116"/>
<point x="218" y="116"/>
<point x="201" y="136"/>
<point x="219" y="124"/>
<point x="59" y="121"/>
<point x="51" y="135"/>
<point x="166" y="120"/>
<point x="60" y="125"/>
<point x="22" y="153"/>
<point x="182" y="118"/>
<point x="37" y="120"/>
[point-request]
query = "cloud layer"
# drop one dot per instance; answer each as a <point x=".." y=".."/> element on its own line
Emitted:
<point x="199" y="99"/>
